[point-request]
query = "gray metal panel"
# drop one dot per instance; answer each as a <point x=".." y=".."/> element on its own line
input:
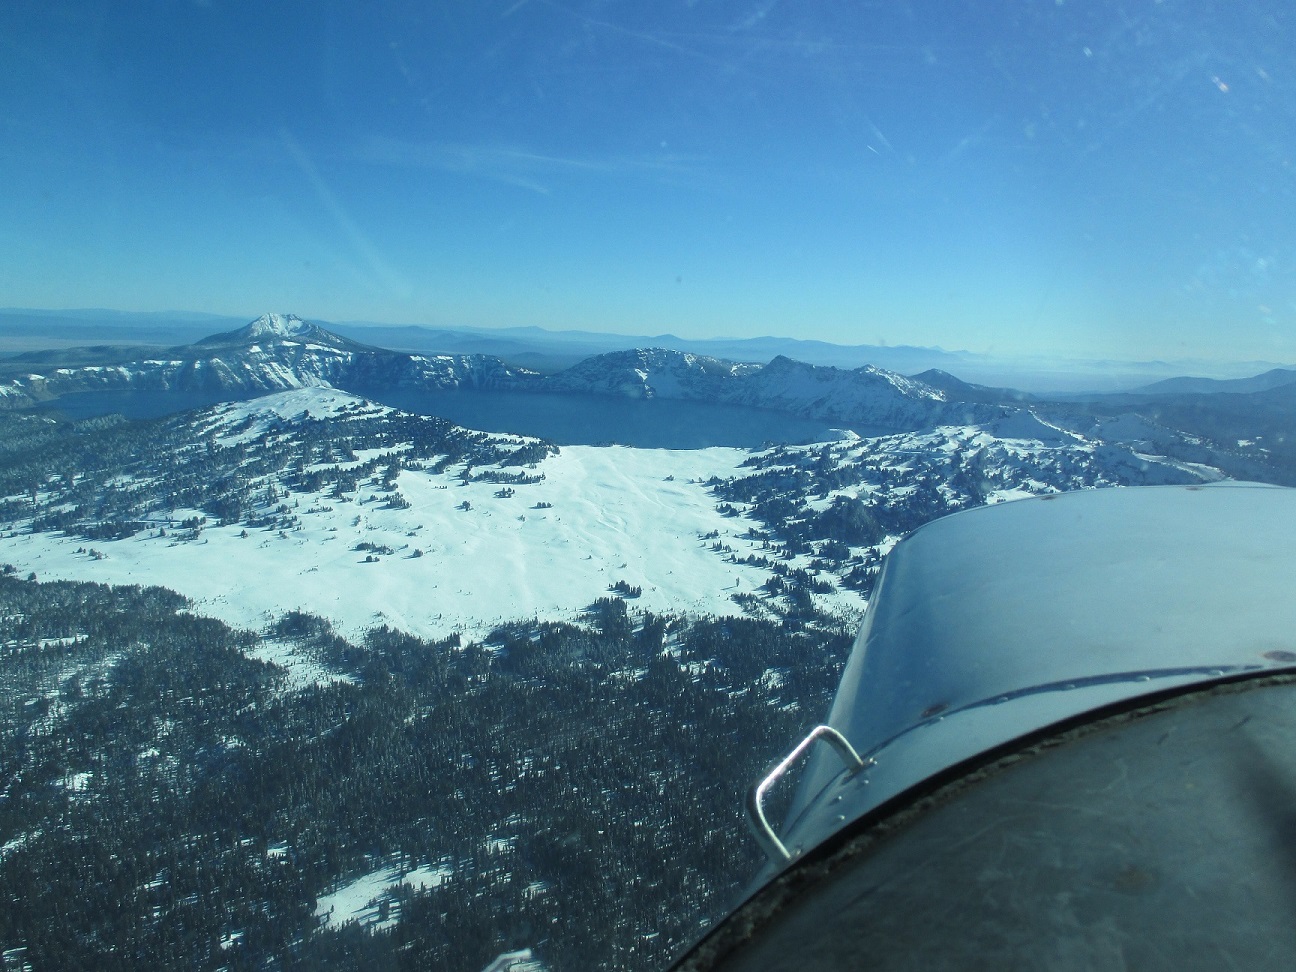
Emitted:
<point x="1154" y="839"/>
<point x="989" y="624"/>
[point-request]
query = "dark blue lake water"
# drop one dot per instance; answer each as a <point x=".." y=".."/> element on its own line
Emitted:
<point x="564" y="419"/>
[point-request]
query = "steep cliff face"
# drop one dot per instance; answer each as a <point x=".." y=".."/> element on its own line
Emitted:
<point x="439" y="372"/>
<point x="651" y="373"/>
<point x="864" y="396"/>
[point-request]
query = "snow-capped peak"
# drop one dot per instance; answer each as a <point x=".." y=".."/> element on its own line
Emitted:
<point x="276" y="329"/>
<point x="277" y="325"/>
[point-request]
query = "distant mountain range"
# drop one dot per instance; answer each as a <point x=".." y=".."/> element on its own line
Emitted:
<point x="277" y="352"/>
<point x="1274" y="378"/>
<point x="546" y="350"/>
<point x="551" y="351"/>
<point x="534" y="347"/>
<point x="1248" y="420"/>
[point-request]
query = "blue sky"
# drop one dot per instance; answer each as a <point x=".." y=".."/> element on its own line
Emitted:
<point x="1083" y="178"/>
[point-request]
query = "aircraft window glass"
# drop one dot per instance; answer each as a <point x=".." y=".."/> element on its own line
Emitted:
<point x="446" y="450"/>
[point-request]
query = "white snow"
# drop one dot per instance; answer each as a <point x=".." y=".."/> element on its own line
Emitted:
<point x="618" y="514"/>
<point x="302" y="669"/>
<point x="773" y="678"/>
<point x="520" y="960"/>
<point x="277" y="325"/>
<point x="358" y="899"/>
<point x="314" y="401"/>
<point x="841" y="435"/>
<point x="16" y="843"/>
<point x="1208" y="474"/>
<point x="1008" y="495"/>
<point x="1026" y="425"/>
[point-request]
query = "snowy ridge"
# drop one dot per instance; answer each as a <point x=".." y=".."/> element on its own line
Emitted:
<point x="651" y="373"/>
<point x="282" y="351"/>
<point x="868" y="396"/>
<point x="316" y="403"/>
<point x="273" y="353"/>
<point x="478" y="372"/>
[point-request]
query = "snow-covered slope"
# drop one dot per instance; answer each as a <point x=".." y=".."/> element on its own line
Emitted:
<point x="323" y="502"/>
<point x="613" y="514"/>
<point x="864" y="396"/>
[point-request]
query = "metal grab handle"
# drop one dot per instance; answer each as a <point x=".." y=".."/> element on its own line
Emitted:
<point x="773" y="847"/>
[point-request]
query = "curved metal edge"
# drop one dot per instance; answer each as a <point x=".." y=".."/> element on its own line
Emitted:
<point x="718" y="944"/>
<point x="756" y="820"/>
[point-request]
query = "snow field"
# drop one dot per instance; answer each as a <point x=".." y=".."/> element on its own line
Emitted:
<point x="359" y="899"/>
<point x="618" y="514"/>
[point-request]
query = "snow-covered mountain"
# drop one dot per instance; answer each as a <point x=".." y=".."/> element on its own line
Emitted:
<point x="286" y="328"/>
<point x="277" y="352"/>
<point x="864" y="396"/>
<point x="273" y="353"/>
<point x="652" y="373"/>
<point x="867" y="396"/>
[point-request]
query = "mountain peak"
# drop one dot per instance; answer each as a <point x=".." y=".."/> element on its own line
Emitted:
<point x="272" y="328"/>
<point x="278" y="325"/>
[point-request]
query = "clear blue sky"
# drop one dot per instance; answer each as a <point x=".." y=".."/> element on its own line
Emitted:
<point x="1093" y="178"/>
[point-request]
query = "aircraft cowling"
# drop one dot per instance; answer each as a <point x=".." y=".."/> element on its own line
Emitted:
<point x="1073" y="723"/>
